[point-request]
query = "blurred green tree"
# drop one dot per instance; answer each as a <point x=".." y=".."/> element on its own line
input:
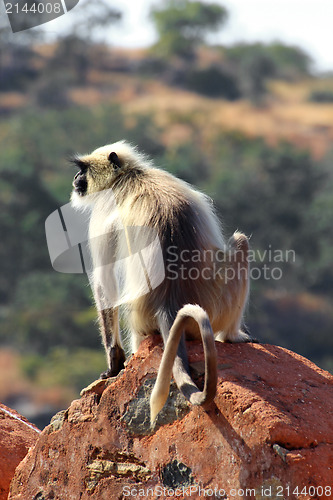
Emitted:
<point x="92" y="21"/>
<point x="254" y="64"/>
<point x="24" y="206"/>
<point x="212" y="82"/>
<point x="183" y="25"/>
<point x="270" y="194"/>
<point x="253" y="67"/>
<point x="75" y="52"/>
<point x="63" y="366"/>
<point x="52" y="309"/>
<point x="17" y="56"/>
<point x="290" y="62"/>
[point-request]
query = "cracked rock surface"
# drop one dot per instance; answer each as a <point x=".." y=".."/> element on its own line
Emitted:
<point x="16" y="436"/>
<point x="268" y="429"/>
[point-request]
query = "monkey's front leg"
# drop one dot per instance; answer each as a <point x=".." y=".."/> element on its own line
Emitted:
<point x="109" y="325"/>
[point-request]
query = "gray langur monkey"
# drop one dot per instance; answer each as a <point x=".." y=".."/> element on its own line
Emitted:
<point x="204" y="291"/>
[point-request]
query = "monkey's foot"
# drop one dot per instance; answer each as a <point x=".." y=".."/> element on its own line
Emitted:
<point x="240" y="336"/>
<point x="117" y="360"/>
<point x="249" y="339"/>
<point x="253" y="340"/>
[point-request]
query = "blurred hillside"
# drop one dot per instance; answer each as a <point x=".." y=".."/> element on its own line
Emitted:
<point x="298" y="109"/>
<point x="249" y="125"/>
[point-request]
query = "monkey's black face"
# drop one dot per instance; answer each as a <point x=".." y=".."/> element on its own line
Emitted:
<point x="97" y="171"/>
<point x="80" y="182"/>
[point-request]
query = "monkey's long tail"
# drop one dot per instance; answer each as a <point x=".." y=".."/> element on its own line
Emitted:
<point x="173" y="362"/>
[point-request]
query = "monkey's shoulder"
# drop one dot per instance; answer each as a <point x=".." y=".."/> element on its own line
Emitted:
<point x="162" y="189"/>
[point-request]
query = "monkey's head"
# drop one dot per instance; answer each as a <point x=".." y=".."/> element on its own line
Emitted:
<point x="100" y="169"/>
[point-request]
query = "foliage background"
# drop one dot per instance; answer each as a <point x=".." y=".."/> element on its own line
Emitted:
<point x="250" y="124"/>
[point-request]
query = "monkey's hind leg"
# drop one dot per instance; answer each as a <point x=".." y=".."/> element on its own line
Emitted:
<point x="109" y="324"/>
<point x="237" y="285"/>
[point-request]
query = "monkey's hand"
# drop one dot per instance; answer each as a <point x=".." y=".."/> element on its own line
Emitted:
<point x="117" y="360"/>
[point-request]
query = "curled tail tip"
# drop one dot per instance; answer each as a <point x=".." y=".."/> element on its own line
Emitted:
<point x="154" y="411"/>
<point x="157" y="401"/>
<point x="153" y="418"/>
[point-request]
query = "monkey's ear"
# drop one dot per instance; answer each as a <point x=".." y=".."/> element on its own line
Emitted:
<point x="114" y="159"/>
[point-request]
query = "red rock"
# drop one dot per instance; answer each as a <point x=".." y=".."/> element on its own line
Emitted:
<point x="16" y="436"/>
<point x="269" y="431"/>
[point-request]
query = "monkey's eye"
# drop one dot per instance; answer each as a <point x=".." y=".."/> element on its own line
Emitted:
<point x="114" y="160"/>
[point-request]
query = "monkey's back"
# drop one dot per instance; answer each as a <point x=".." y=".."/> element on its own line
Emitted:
<point x="188" y="230"/>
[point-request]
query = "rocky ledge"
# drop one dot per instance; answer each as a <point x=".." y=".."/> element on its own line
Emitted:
<point x="268" y="434"/>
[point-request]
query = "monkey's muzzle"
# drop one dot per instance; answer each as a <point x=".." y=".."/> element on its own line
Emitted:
<point x="80" y="183"/>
